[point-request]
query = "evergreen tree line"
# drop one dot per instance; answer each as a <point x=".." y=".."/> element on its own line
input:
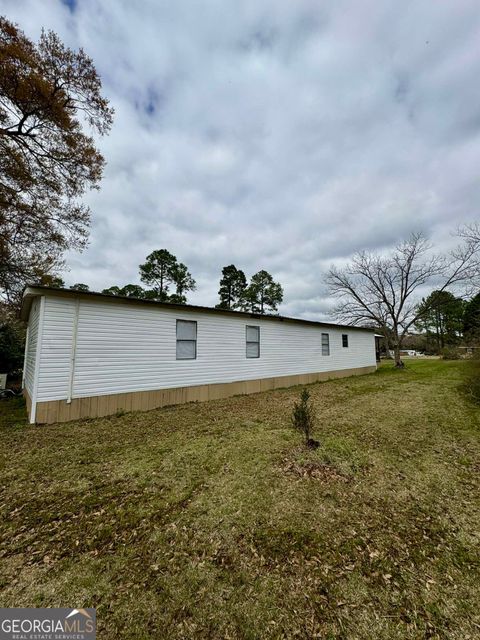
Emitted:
<point x="262" y="294"/>
<point x="446" y="320"/>
<point x="169" y="280"/>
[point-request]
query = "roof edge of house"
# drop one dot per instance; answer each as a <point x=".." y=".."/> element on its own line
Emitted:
<point x="32" y="291"/>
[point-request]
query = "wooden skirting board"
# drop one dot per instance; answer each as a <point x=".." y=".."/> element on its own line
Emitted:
<point x="97" y="406"/>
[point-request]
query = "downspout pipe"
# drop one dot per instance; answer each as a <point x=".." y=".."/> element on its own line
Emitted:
<point x="73" y="351"/>
<point x="38" y="354"/>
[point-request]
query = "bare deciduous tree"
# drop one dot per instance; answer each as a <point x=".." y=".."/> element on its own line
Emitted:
<point x="382" y="290"/>
<point x="470" y="232"/>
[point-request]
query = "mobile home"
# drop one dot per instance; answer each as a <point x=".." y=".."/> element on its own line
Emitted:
<point x="90" y="354"/>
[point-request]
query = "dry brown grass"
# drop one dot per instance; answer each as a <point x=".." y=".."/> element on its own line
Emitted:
<point x="210" y="521"/>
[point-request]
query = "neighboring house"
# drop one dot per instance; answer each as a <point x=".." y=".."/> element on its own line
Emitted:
<point x="90" y="354"/>
<point x="410" y="353"/>
<point x="379" y="341"/>
<point x="468" y="352"/>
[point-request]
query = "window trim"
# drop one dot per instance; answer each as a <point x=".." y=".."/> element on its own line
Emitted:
<point x="247" y="342"/>
<point x="182" y="340"/>
<point x="345" y="339"/>
<point x="327" y="344"/>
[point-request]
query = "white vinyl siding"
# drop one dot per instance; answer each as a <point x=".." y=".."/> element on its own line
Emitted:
<point x="124" y="346"/>
<point x="31" y="354"/>
<point x="253" y="341"/>
<point x="55" y="357"/>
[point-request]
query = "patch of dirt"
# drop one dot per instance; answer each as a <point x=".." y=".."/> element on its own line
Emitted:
<point x="318" y="470"/>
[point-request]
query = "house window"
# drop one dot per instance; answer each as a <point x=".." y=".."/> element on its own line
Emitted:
<point x="186" y="340"/>
<point x="253" y="342"/>
<point x="344" y="340"/>
<point x="325" y="344"/>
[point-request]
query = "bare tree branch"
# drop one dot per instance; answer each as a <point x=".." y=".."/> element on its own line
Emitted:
<point x="382" y="289"/>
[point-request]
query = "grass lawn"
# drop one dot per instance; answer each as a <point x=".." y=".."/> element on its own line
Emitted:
<point x="210" y="521"/>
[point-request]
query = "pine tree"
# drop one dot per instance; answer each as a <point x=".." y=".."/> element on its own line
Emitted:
<point x="232" y="287"/>
<point x="441" y="317"/>
<point x="112" y="291"/>
<point x="79" y="286"/>
<point x="262" y="294"/>
<point x="471" y="319"/>
<point x="132" y="291"/>
<point x="162" y="271"/>
<point x="183" y="283"/>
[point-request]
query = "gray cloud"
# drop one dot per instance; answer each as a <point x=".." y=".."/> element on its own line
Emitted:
<point x="274" y="135"/>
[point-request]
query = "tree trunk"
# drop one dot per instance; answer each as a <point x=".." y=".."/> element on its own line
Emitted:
<point x="438" y="330"/>
<point x="387" y="348"/>
<point x="386" y="342"/>
<point x="397" y="345"/>
<point x="398" y="360"/>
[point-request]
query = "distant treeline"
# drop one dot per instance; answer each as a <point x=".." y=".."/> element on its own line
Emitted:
<point x="168" y="280"/>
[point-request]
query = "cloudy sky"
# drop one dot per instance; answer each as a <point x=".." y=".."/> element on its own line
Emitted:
<point x="274" y="134"/>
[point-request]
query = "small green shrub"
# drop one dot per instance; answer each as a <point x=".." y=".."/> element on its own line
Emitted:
<point x="12" y="339"/>
<point x="450" y="353"/>
<point x="303" y="418"/>
<point x="471" y="384"/>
